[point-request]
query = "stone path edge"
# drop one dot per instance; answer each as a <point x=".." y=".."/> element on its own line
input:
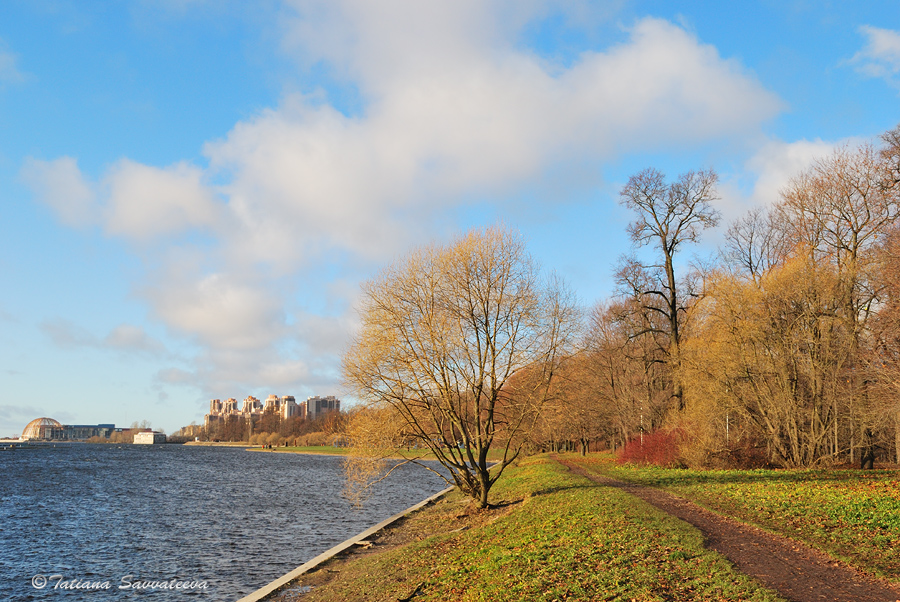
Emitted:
<point x="284" y="580"/>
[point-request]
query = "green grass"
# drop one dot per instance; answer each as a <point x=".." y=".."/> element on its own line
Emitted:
<point x="851" y="514"/>
<point x="561" y="537"/>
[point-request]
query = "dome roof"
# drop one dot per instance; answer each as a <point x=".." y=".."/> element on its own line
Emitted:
<point x="39" y="428"/>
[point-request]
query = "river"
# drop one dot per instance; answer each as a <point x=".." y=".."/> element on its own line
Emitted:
<point x="81" y="521"/>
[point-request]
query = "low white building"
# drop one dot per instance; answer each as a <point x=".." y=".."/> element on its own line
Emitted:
<point x="149" y="438"/>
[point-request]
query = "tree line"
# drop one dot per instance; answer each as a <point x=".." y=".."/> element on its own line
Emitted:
<point x="271" y="428"/>
<point x="782" y="349"/>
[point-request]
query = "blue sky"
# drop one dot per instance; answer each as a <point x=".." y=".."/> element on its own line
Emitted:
<point x="191" y="191"/>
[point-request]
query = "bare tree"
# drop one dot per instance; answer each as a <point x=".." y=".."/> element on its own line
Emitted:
<point x="461" y="343"/>
<point x="755" y="243"/>
<point x="577" y="413"/>
<point x="890" y="153"/>
<point x="631" y="370"/>
<point x="668" y="216"/>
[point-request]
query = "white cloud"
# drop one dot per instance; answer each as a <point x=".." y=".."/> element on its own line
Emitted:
<point x="60" y="185"/>
<point x="176" y="376"/>
<point x="769" y="171"/>
<point x="452" y="109"/>
<point x="221" y="312"/>
<point x="138" y="202"/>
<point x="129" y="338"/>
<point x="146" y="202"/>
<point x="462" y="114"/>
<point x="881" y="55"/>
<point x="66" y="335"/>
<point x="777" y="162"/>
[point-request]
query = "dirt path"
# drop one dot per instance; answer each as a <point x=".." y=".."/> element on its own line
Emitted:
<point x="794" y="570"/>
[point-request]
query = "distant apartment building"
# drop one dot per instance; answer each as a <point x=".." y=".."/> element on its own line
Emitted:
<point x="252" y="406"/>
<point x="286" y="407"/>
<point x="316" y="406"/>
<point x="190" y="431"/>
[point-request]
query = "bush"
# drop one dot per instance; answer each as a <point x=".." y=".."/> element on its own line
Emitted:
<point x="661" y="448"/>
<point x="317" y="438"/>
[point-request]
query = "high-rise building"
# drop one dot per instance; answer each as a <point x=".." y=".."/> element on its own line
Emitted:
<point x="317" y="406"/>
<point x="289" y="407"/>
<point x="251" y="406"/>
<point x="286" y="407"/>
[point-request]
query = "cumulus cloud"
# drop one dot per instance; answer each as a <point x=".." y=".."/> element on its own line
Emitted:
<point x="769" y="171"/>
<point x="881" y="55"/>
<point x="129" y="338"/>
<point x="145" y="202"/>
<point x="453" y="109"/>
<point x="176" y="376"/>
<point x="220" y="311"/>
<point x="60" y="185"/>
<point x="464" y="115"/>
<point x="776" y="162"/>
<point x="137" y="202"/>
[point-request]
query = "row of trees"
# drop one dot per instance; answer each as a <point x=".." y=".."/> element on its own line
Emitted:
<point x="784" y="348"/>
<point x="271" y="428"/>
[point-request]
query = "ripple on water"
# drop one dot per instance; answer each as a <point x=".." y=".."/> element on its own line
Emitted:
<point x="233" y="518"/>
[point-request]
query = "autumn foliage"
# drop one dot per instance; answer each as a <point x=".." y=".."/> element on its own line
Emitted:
<point x="660" y="448"/>
<point x="782" y="350"/>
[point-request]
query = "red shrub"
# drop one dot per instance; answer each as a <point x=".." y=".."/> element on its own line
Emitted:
<point x="660" y="448"/>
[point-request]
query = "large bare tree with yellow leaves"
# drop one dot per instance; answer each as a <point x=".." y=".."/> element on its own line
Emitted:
<point x="456" y="353"/>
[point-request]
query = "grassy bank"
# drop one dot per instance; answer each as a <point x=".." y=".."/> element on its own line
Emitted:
<point x="327" y="450"/>
<point x="853" y="515"/>
<point x="218" y="443"/>
<point x="554" y="536"/>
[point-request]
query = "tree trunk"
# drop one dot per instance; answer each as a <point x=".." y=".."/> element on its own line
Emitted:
<point x="897" y="437"/>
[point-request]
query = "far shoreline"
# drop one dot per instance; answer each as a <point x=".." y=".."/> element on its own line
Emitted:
<point x="323" y="450"/>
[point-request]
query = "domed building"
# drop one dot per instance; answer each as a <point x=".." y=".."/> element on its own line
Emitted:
<point x="41" y="428"/>
<point x="47" y="429"/>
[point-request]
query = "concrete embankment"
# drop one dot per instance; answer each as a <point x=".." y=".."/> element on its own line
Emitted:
<point x="284" y="580"/>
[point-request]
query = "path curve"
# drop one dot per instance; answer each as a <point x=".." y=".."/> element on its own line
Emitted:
<point x="794" y="570"/>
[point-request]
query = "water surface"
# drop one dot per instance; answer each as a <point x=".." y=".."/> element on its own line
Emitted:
<point x="232" y="518"/>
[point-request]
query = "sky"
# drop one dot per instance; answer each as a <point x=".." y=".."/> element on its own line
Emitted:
<point x="192" y="191"/>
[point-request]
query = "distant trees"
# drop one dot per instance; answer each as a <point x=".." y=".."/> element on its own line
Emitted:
<point x="457" y="353"/>
<point x="792" y="339"/>
<point x="271" y="427"/>
<point x="785" y="349"/>
<point x="774" y="355"/>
